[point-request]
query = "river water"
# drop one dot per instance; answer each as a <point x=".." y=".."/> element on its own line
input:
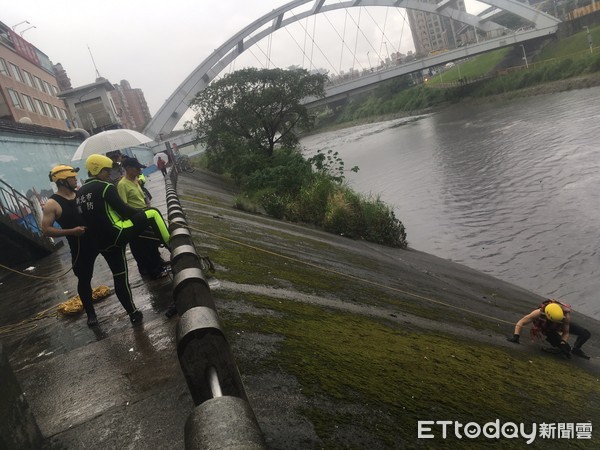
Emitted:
<point x="507" y="188"/>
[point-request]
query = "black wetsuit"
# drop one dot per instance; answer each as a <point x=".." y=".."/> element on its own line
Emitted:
<point x="83" y="250"/>
<point x="114" y="223"/>
<point x="102" y="209"/>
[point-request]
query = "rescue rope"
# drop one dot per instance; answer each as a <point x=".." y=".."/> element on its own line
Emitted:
<point x="45" y="278"/>
<point x="68" y="307"/>
<point x="353" y="277"/>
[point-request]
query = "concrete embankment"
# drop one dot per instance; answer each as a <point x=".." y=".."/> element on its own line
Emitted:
<point x="349" y="343"/>
<point x="340" y="343"/>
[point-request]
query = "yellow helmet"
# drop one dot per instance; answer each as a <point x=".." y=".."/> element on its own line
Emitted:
<point x="554" y="312"/>
<point x="62" y="172"/>
<point x="95" y="163"/>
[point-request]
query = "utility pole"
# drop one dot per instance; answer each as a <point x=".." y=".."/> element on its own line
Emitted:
<point x="589" y="39"/>
<point x="94" y="62"/>
<point x="525" y="57"/>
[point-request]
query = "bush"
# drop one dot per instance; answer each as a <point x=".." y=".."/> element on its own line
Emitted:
<point x="274" y="204"/>
<point x="356" y="216"/>
<point x="285" y="173"/>
<point x="311" y="203"/>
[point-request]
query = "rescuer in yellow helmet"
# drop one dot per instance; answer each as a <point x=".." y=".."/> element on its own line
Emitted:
<point x="61" y="207"/>
<point x="553" y="320"/>
<point x="114" y="223"/>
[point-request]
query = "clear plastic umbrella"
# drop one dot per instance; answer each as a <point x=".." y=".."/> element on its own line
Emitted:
<point x="162" y="155"/>
<point x="108" y="141"/>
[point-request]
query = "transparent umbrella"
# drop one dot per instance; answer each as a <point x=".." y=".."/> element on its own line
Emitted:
<point x="108" y="141"/>
<point x="162" y="155"/>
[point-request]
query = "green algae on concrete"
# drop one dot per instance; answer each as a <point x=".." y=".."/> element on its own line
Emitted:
<point x="383" y="379"/>
<point x="257" y="264"/>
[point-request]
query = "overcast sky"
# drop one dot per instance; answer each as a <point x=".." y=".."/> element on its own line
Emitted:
<point x="156" y="44"/>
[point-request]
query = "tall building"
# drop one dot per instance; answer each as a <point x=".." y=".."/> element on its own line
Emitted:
<point x="28" y="87"/>
<point x="432" y="33"/>
<point x="131" y="106"/>
<point x="63" y="80"/>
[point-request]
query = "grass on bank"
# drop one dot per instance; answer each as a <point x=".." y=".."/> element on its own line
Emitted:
<point x="473" y="68"/>
<point x="572" y="46"/>
<point x="377" y="381"/>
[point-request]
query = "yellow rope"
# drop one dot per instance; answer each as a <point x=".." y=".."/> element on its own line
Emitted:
<point x="71" y="306"/>
<point x="336" y="272"/>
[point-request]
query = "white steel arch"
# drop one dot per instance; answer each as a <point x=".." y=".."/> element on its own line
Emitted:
<point x="177" y="104"/>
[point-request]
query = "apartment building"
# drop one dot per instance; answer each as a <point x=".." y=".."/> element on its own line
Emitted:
<point x="131" y="106"/>
<point x="28" y="87"/>
<point x="433" y="33"/>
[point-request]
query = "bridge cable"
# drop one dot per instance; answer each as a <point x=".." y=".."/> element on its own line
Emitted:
<point x="256" y="57"/>
<point x="304" y="44"/>
<point x="313" y="45"/>
<point x="404" y="21"/>
<point x="336" y="32"/>
<point x="312" y="48"/>
<point x="363" y="33"/>
<point x="356" y="39"/>
<point x="343" y="38"/>
<point x="384" y="37"/>
<point x="269" y="46"/>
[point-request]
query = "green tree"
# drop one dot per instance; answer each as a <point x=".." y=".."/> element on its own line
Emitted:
<point x="253" y="110"/>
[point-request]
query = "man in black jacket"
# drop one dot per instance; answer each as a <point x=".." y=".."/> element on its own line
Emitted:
<point x="113" y="223"/>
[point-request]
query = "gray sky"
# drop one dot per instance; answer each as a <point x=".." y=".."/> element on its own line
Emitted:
<point x="156" y="44"/>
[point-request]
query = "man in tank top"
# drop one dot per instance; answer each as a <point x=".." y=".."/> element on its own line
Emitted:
<point x="62" y="208"/>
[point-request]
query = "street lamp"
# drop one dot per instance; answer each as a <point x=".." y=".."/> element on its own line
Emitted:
<point x="589" y="39"/>
<point x="369" y="60"/>
<point x="525" y="57"/>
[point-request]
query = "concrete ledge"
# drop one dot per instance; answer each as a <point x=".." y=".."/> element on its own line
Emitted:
<point x="18" y="428"/>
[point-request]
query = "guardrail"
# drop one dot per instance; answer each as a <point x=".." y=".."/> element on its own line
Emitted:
<point x="17" y="208"/>
<point x="222" y="417"/>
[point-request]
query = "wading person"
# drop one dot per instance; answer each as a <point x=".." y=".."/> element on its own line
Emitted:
<point x="61" y="207"/>
<point x="144" y="247"/>
<point x="113" y="224"/>
<point x="553" y="320"/>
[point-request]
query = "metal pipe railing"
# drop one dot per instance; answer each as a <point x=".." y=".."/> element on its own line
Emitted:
<point x="18" y="208"/>
<point x="222" y="417"/>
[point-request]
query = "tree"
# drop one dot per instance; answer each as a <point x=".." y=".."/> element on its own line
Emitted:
<point x="254" y="110"/>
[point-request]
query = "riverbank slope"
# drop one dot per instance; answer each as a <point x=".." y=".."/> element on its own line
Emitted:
<point x="345" y="343"/>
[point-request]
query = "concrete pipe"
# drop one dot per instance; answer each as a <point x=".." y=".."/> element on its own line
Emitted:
<point x="205" y="356"/>
<point x="223" y="423"/>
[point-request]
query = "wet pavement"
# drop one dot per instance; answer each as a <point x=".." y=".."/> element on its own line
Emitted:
<point x="114" y="385"/>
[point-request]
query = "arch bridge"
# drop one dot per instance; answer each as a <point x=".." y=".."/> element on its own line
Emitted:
<point x="177" y="104"/>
